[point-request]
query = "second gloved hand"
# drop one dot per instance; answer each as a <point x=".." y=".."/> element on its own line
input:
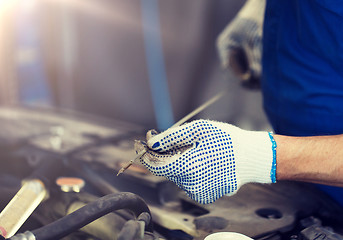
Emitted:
<point x="209" y="159"/>
<point x="240" y="43"/>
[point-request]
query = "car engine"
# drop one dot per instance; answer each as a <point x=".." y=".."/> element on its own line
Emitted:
<point x="58" y="181"/>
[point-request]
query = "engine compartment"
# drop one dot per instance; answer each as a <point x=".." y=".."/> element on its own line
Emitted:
<point x="53" y="144"/>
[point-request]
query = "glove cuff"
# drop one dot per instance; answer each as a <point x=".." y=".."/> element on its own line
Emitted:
<point x="257" y="156"/>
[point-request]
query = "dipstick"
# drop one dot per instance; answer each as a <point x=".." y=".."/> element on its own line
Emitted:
<point x="128" y="164"/>
<point x="199" y="109"/>
<point x="181" y="121"/>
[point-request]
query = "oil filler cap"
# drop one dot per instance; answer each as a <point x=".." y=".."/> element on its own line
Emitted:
<point x="70" y="184"/>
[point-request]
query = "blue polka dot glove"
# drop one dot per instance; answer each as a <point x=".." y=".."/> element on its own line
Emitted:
<point x="209" y="159"/>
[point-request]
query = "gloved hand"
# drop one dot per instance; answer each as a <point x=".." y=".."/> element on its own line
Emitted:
<point x="209" y="159"/>
<point x="240" y="44"/>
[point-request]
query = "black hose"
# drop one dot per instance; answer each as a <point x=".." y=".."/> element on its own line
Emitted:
<point x="91" y="212"/>
<point x="100" y="184"/>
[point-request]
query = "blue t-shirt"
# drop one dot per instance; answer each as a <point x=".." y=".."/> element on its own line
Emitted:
<point x="303" y="68"/>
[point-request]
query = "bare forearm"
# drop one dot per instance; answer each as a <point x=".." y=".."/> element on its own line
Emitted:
<point x="311" y="159"/>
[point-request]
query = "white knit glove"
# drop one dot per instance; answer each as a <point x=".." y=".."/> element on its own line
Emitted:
<point x="209" y="159"/>
<point x="240" y="44"/>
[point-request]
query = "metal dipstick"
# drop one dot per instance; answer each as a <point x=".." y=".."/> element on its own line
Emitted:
<point x="181" y="121"/>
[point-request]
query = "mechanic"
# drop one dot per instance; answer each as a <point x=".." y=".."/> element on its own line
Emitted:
<point x="302" y="86"/>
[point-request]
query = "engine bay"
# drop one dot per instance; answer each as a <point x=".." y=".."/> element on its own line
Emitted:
<point x="76" y="158"/>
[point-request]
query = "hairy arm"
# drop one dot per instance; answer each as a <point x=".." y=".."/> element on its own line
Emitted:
<point x="311" y="159"/>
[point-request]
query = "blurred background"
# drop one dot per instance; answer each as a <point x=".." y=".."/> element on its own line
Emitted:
<point x="147" y="62"/>
<point x="143" y="64"/>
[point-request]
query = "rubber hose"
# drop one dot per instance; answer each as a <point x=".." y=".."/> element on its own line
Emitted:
<point x="91" y="212"/>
